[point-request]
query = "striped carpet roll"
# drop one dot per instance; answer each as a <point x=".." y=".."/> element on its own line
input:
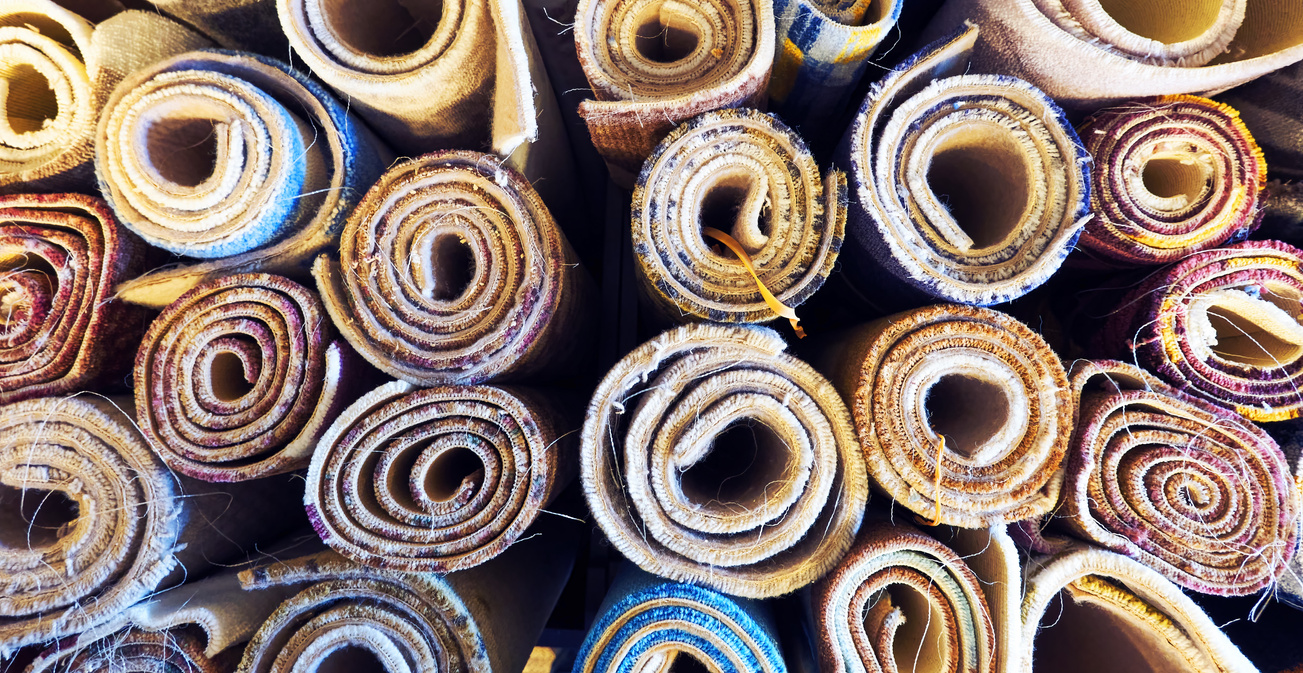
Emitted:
<point x="1223" y="325"/>
<point x="1173" y="176"/>
<point x="452" y="270"/>
<point x="653" y="64"/>
<point x="970" y="188"/>
<point x="437" y="479"/>
<point x="1268" y="106"/>
<point x="61" y="256"/>
<point x="239" y="378"/>
<point x="646" y="624"/>
<point x="131" y="650"/>
<point x="969" y="387"/>
<point x="745" y="173"/>
<point x="710" y="456"/>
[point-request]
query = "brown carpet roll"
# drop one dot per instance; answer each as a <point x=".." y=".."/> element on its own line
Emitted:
<point x="452" y="270"/>
<point x="61" y="255"/>
<point x="710" y="456"/>
<point x="239" y="378"/>
<point x="437" y="479"/>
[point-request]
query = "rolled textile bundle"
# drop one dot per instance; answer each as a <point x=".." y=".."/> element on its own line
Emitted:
<point x="708" y="455"/>
<point x="56" y="71"/>
<point x="451" y="270"/>
<point x="135" y="649"/>
<point x="240" y="377"/>
<point x="647" y="624"/>
<point x="1223" y="325"/>
<point x="747" y="174"/>
<point x="1090" y="53"/>
<point x="653" y="64"/>
<point x="970" y="188"/>
<point x="964" y="413"/>
<point x="437" y="479"/>
<point x="1173" y="176"/>
<point x="247" y="25"/>
<point x="234" y="156"/>
<point x="61" y="255"/>
<point x="1268" y="106"/>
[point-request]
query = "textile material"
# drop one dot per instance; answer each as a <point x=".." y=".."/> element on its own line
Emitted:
<point x="986" y="383"/>
<point x="708" y="455"/>
<point x="1222" y="325"/>
<point x="247" y="25"/>
<point x="1091" y="53"/>
<point x="240" y="377"/>
<point x="745" y="173"/>
<point x="1282" y="212"/>
<point x="1269" y="107"/>
<point x="58" y="70"/>
<point x="452" y="270"/>
<point x="646" y="624"/>
<point x="457" y="474"/>
<point x="1088" y="609"/>
<point x="1289" y="435"/>
<point x="969" y="188"/>
<point x="61" y="255"/>
<point x="1172" y="176"/>
<point x="1197" y="493"/>
<point x="139" y="650"/>
<point x="655" y="64"/>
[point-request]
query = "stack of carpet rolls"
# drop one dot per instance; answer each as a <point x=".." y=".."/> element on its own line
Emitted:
<point x="959" y="336"/>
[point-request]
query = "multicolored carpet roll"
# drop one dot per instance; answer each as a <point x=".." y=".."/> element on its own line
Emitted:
<point x="963" y="412"/>
<point x="1267" y="106"/>
<point x="60" y="257"/>
<point x="1223" y="325"/>
<point x="970" y="188"/>
<point x="133" y="649"/>
<point x="234" y="156"/>
<point x="1089" y="53"/>
<point x="239" y="378"/>
<point x="1088" y="609"/>
<point x="1173" y="176"/>
<point x="746" y="174"/>
<point x="654" y="64"/>
<point x="56" y="70"/>
<point x="647" y="624"/>
<point x="437" y="479"/>
<point x="451" y="270"/>
<point x="711" y="456"/>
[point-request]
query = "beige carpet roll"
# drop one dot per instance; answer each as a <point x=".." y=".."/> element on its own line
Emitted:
<point x="710" y="456"/>
<point x="653" y="64"/>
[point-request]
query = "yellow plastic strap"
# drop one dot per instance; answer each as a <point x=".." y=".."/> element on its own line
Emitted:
<point x="936" y="489"/>
<point x="774" y="305"/>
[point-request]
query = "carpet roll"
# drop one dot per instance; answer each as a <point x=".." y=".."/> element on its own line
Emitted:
<point x="180" y="651"/>
<point x="708" y="455"/>
<point x="61" y="255"/>
<point x="452" y="270"/>
<point x="247" y="25"/>
<point x="1196" y="492"/>
<point x="1267" y="107"/>
<point x="965" y="187"/>
<point x="1173" y="176"/>
<point x="653" y="64"/>
<point x="240" y="377"/>
<point x="234" y="158"/>
<point x="964" y="413"/>
<point x="745" y="173"/>
<point x="1222" y="324"/>
<point x="436" y="479"/>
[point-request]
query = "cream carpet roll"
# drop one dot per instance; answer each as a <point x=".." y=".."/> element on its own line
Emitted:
<point x="963" y="413"/>
<point x="653" y="64"/>
<point x="452" y="270"/>
<point x="745" y="173"/>
<point x="710" y="456"/>
<point x="965" y="187"/>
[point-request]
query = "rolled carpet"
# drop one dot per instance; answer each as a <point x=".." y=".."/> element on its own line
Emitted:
<point x="58" y="69"/>
<point x="233" y="156"/>
<point x="647" y="624"/>
<point x="1222" y="324"/>
<point x="1173" y="176"/>
<point x="61" y="255"/>
<point x="653" y="64"/>
<point x="132" y="649"/>
<point x="452" y="270"/>
<point x="240" y="377"/>
<point x="1267" y="107"/>
<point x="247" y="25"/>
<point x="745" y="173"/>
<point x="970" y="188"/>
<point x="436" y="479"/>
<point x="710" y="456"/>
<point x="963" y="413"/>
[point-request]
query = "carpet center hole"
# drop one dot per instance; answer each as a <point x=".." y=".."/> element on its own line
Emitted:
<point x="230" y="382"/>
<point x="183" y="151"/>
<point x="1167" y="177"/>
<point x="31" y="103"/>
<point x="351" y="660"/>
<point x="444" y="479"/>
<point x="383" y="28"/>
<point x="736" y="204"/>
<point x="980" y="175"/>
<point x="744" y="466"/>
<point x="1250" y="339"/>
<point x="1162" y="20"/>
<point x="665" y="37"/>
<point x="452" y="267"/>
<point x="34" y="518"/>
<point x="966" y="410"/>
